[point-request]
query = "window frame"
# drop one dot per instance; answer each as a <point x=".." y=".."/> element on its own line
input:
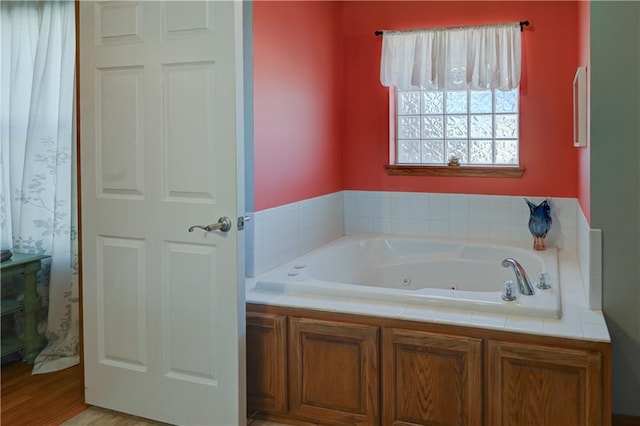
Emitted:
<point x="403" y="169"/>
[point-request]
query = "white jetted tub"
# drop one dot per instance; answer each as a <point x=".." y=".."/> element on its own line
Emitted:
<point x="423" y="271"/>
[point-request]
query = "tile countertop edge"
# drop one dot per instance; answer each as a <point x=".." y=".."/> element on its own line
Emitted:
<point x="577" y="322"/>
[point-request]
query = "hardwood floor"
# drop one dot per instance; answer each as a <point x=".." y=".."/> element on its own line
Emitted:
<point x="56" y="399"/>
<point x="95" y="416"/>
<point x="41" y="399"/>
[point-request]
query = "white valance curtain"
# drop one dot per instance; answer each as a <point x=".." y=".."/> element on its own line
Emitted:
<point x="477" y="58"/>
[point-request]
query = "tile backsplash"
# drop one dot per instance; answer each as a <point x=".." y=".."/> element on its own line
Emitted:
<point x="501" y="218"/>
<point x="277" y="235"/>
<point x="590" y="260"/>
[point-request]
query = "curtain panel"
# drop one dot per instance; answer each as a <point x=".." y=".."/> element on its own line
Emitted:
<point x="459" y="58"/>
<point x="38" y="212"/>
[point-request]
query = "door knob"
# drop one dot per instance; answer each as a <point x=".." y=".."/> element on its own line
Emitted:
<point x="223" y="224"/>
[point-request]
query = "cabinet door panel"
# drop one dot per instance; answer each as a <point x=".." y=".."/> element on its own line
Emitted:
<point x="334" y="371"/>
<point x="431" y="379"/>
<point x="266" y="362"/>
<point x="536" y="385"/>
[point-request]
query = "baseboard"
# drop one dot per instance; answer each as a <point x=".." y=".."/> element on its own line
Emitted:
<point x="621" y="420"/>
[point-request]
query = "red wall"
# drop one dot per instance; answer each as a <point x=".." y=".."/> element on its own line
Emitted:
<point x="297" y="101"/>
<point x="584" y="154"/>
<point x="550" y="56"/>
<point x="321" y="114"/>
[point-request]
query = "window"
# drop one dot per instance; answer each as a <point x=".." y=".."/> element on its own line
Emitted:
<point x="479" y="128"/>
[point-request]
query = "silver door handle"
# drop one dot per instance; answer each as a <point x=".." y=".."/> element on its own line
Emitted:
<point x="224" y="225"/>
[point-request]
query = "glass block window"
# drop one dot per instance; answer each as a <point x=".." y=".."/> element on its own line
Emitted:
<point x="480" y="128"/>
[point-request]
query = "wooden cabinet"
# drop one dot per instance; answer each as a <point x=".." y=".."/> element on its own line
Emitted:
<point x="431" y="378"/>
<point x="541" y="385"/>
<point x="313" y="367"/>
<point x="333" y="371"/>
<point x="266" y="362"/>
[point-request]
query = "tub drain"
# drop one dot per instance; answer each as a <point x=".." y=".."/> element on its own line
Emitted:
<point x="406" y="281"/>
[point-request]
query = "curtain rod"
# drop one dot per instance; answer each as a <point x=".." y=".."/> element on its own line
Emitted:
<point x="522" y="25"/>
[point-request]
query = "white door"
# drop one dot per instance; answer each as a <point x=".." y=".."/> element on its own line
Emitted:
<point x="161" y="128"/>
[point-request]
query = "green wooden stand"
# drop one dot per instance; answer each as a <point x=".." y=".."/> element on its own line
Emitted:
<point x="27" y="265"/>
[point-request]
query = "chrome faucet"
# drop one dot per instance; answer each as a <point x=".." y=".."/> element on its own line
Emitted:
<point x="524" y="285"/>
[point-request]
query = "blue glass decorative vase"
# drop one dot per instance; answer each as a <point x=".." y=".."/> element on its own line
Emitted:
<point x="539" y="223"/>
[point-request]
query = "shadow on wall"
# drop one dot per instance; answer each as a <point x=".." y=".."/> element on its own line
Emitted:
<point x="555" y="232"/>
<point x="627" y="366"/>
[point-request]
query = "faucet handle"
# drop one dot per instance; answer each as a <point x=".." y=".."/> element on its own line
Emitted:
<point x="508" y="291"/>
<point x="544" y="281"/>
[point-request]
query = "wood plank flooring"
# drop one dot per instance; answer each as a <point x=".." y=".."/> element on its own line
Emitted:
<point x="96" y="416"/>
<point x="56" y="399"/>
<point x="41" y="399"/>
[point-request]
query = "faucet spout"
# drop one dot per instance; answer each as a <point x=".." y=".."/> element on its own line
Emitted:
<point x="524" y="285"/>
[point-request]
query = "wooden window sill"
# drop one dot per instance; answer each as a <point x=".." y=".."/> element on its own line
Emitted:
<point x="455" y="171"/>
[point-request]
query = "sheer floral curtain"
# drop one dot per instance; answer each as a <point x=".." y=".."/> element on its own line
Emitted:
<point x="38" y="198"/>
<point x="459" y="58"/>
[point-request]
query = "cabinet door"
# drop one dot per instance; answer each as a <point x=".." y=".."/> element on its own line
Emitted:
<point x="334" y="375"/>
<point x="431" y="379"/>
<point x="537" y="385"/>
<point x="266" y="362"/>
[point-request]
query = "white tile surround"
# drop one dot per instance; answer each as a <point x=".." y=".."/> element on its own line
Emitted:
<point x="577" y="322"/>
<point x="473" y="217"/>
<point x="275" y="236"/>
<point x="281" y="234"/>
<point x="590" y="259"/>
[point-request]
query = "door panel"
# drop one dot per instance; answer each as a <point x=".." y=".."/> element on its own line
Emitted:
<point x="431" y="378"/>
<point x="190" y="311"/>
<point x="159" y="129"/>
<point x="121" y="275"/>
<point x="267" y="362"/>
<point x="333" y="371"/>
<point x="188" y="176"/>
<point x="120" y="171"/>
<point x="530" y="384"/>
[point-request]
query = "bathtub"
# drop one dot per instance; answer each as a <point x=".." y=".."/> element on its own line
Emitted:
<point x="420" y="271"/>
